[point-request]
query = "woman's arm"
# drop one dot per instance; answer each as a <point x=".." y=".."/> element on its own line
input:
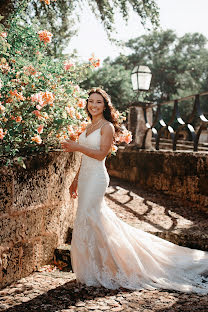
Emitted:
<point x="107" y="133"/>
<point x="73" y="186"/>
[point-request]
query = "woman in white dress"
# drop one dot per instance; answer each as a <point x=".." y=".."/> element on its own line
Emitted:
<point x="107" y="251"/>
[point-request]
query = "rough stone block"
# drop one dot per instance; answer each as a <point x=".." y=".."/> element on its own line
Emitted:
<point x="15" y="228"/>
<point x="183" y="174"/>
<point x="27" y="259"/>
<point x="30" y="188"/>
<point x="43" y="250"/>
<point x="37" y="253"/>
<point x="6" y="191"/>
<point x="48" y="245"/>
<point x="52" y="219"/>
<point x="203" y="184"/>
<point x="11" y="270"/>
<point x="36" y="211"/>
<point x="33" y="223"/>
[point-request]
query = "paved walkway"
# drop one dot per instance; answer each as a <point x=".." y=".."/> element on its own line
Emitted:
<point x="52" y="289"/>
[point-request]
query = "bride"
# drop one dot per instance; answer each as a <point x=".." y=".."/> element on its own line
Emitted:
<point x="105" y="250"/>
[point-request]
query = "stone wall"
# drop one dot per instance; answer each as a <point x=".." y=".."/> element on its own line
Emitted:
<point x="36" y="212"/>
<point x="182" y="174"/>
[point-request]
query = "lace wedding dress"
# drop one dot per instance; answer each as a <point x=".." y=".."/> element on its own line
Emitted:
<point x="108" y="252"/>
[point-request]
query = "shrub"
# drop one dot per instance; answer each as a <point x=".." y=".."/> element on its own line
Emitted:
<point x="40" y="100"/>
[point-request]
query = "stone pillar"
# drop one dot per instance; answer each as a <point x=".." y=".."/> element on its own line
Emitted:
<point x="137" y="124"/>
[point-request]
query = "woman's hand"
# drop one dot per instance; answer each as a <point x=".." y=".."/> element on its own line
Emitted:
<point x="73" y="189"/>
<point x="70" y="146"/>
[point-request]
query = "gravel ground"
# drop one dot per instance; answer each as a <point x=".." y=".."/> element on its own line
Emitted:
<point x="52" y="289"/>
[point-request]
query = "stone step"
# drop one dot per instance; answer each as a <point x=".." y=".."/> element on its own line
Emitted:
<point x="62" y="257"/>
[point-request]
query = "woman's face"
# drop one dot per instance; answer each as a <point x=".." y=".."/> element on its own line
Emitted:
<point x="96" y="104"/>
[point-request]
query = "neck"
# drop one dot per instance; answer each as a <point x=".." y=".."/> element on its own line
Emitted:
<point x="96" y="118"/>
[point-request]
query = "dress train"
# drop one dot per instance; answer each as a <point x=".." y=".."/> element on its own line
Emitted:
<point x="108" y="252"/>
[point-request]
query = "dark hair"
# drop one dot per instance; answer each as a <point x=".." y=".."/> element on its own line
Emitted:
<point x="109" y="113"/>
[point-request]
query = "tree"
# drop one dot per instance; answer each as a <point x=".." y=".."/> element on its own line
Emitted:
<point x="56" y="18"/>
<point x="179" y="64"/>
<point x="61" y="21"/>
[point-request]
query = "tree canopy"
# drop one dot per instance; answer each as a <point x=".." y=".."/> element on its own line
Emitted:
<point x="62" y="16"/>
<point x="179" y="66"/>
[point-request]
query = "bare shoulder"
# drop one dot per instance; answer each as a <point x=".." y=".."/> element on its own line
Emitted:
<point x="108" y="128"/>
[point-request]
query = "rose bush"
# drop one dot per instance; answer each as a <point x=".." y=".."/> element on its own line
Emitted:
<point x="41" y="102"/>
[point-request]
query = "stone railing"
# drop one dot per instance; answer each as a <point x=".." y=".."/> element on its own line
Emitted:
<point x="181" y="174"/>
<point x="36" y="212"/>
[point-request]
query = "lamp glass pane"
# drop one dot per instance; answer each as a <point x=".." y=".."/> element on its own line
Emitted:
<point x="134" y="81"/>
<point x="144" y="80"/>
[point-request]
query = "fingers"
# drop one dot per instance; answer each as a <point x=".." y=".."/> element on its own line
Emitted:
<point x="65" y="146"/>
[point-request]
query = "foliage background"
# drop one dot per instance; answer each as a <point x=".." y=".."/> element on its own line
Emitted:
<point x="179" y="66"/>
<point x="61" y="17"/>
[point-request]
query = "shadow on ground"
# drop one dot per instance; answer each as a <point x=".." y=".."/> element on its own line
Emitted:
<point x="63" y="297"/>
<point x="175" y="211"/>
<point x="70" y="297"/>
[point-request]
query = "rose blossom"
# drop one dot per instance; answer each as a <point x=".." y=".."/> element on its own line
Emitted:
<point x="45" y="36"/>
<point x="37" y="139"/>
<point x="3" y="34"/>
<point x="70" y="111"/>
<point x="81" y="103"/>
<point x="18" y="119"/>
<point x="2" y="133"/>
<point x="40" y="129"/>
<point x="68" y="65"/>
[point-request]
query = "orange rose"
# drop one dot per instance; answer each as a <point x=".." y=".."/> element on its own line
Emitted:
<point x="45" y="36"/>
<point x="70" y="111"/>
<point x="37" y="113"/>
<point x="81" y="103"/>
<point x="40" y="129"/>
<point x="2" y="108"/>
<point x="2" y="133"/>
<point x="68" y="65"/>
<point x="78" y="115"/>
<point x="37" y="139"/>
<point x="83" y="125"/>
<point x="18" y="119"/>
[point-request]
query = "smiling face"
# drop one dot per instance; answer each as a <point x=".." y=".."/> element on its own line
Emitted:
<point x="96" y="105"/>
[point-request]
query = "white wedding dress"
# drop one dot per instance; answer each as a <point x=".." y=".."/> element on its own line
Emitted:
<point x="108" y="252"/>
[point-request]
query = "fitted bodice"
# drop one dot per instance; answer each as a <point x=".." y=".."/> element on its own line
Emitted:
<point x="92" y="141"/>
